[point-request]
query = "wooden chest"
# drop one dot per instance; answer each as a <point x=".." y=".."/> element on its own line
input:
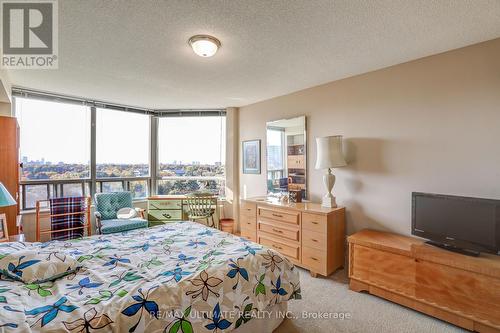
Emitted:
<point x="462" y="290"/>
<point x="309" y="235"/>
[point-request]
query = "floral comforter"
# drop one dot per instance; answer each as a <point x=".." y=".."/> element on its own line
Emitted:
<point x="181" y="277"/>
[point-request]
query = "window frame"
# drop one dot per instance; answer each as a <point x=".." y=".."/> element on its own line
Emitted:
<point x="157" y="176"/>
<point x="57" y="186"/>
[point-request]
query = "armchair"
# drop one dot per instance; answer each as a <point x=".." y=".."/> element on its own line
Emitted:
<point x="107" y="204"/>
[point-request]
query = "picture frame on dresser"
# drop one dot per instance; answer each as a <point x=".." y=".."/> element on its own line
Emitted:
<point x="251" y="157"/>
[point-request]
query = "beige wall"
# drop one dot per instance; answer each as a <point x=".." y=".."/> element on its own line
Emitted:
<point x="5" y="87"/>
<point x="5" y="109"/>
<point x="5" y="94"/>
<point x="430" y="125"/>
<point x="232" y="162"/>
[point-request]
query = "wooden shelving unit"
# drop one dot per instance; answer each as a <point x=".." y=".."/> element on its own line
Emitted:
<point x="296" y="162"/>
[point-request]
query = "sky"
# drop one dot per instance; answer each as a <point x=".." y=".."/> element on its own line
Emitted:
<point x="60" y="132"/>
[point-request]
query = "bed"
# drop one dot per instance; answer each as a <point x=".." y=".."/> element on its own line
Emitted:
<point x="180" y="277"/>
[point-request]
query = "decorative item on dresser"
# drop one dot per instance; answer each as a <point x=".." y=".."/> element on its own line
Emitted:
<point x="329" y="156"/>
<point x="309" y="235"/>
<point x="9" y="168"/>
<point x="459" y="289"/>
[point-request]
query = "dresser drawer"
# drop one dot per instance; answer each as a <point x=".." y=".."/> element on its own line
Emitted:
<point x="248" y="209"/>
<point x="288" y="233"/>
<point x="289" y="217"/>
<point x="314" y="240"/>
<point x="314" y="222"/>
<point x="249" y="234"/>
<point x="165" y="204"/>
<point x="164" y="215"/>
<point x="290" y="250"/>
<point x="314" y="259"/>
<point x="248" y="223"/>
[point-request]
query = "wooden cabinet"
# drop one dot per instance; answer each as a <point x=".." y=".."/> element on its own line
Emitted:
<point x="456" y="288"/>
<point x="163" y="210"/>
<point x="9" y="167"/>
<point x="309" y="235"/>
<point x="171" y="208"/>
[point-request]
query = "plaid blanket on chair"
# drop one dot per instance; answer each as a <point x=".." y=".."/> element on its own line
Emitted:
<point x="67" y="205"/>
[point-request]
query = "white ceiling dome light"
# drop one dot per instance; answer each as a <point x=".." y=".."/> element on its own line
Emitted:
<point x="204" y="45"/>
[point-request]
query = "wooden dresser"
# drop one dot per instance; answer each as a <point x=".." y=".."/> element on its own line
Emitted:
<point x="462" y="290"/>
<point x="309" y="235"/>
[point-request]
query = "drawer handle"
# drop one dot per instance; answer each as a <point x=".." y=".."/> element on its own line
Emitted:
<point x="313" y="258"/>
<point x="278" y="231"/>
<point x="314" y="222"/>
<point x="167" y="216"/>
<point x="277" y="247"/>
<point x="249" y="209"/>
<point x="249" y="223"/>
<point x="314" y="240"/>
<point x="277" y="215"/>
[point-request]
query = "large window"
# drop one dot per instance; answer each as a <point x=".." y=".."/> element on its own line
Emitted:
<point x="55" y="147"/>
<point x="191" y="155"/>
<point x="122" y="151"/>
<point x="122" y="144"/>
<point x="58" y="146"/>
<point x="55" y="140"/>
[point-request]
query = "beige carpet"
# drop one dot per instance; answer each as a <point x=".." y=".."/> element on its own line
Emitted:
<point x="367" y="313"/>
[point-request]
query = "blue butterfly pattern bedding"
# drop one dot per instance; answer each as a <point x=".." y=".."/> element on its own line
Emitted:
<point x="181" y="277"/>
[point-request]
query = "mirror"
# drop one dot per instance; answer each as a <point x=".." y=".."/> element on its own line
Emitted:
<point x="286" y="156"/>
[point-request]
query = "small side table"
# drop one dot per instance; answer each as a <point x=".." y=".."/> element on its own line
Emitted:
<point x="17" y="238"/>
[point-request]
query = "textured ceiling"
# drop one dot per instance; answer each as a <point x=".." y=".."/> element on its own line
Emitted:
<point x="136" y="52"/>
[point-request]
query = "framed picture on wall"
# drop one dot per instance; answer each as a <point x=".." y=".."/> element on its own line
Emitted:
<point x="251" y="157"/>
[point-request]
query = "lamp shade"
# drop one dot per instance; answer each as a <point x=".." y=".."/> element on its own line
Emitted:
<point x="329" y="152"/>
<point x="5" y="198"/>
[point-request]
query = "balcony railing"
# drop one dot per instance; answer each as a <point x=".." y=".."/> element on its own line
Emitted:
<point x="34" y="190"/>
<point x="189" y="184"/>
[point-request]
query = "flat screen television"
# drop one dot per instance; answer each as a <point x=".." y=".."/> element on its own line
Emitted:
<point x="462" y="224"/>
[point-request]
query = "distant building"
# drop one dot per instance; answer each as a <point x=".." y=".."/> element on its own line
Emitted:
<point x="179" y="172"/>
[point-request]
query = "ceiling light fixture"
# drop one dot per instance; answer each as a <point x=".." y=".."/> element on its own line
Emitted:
<point x="204" y="45"/>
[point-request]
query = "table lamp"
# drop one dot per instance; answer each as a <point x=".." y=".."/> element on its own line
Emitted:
<point x="329" y="156"/>
<point x="5" y="200"/>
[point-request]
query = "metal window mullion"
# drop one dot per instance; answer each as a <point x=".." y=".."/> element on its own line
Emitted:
<point x="23" y="188"/>
<point x="93" y="154"/>
<point x="153" y="155"/>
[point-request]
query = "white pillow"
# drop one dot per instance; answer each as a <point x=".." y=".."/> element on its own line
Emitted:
<point x="126" y="213"/>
